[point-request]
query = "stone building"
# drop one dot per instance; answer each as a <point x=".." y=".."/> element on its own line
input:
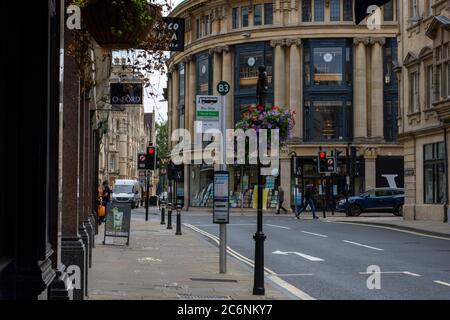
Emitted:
<point x="336" y="75"/>
<point x="125" y="136"/>
<point x="424" y="65"/>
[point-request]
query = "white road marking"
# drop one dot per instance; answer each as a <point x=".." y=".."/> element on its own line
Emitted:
<point x="362" y="245"/>
<point x="308" y="257"/>
<point x="271" y="275"/>
<point x="296" y="275"/>
<point x="391" y="228"/>
<point x="315" y="234"/>
<point x="394" y="272"/>
<point x="275" y="226"/>
<point x="442" y="282"/>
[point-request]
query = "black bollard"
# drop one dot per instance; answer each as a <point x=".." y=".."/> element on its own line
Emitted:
<point x="178" y="233"/>
<point x="169" y="217"/>
<point x="163" y="213"/>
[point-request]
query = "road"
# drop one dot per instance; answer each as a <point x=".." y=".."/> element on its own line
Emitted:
<point x="329" y="260"/>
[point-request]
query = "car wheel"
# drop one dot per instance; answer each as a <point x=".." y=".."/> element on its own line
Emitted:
<point x="398" y="212"/>
<point x="354" y="210"/>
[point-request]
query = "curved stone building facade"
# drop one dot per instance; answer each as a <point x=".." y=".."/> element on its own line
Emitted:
<point x="337" y="76"/>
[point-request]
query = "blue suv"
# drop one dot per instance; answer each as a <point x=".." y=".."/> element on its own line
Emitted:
<point x="375" y="200"/>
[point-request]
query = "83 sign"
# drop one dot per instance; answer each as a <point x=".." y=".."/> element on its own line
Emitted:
<point x="223" y="88"/>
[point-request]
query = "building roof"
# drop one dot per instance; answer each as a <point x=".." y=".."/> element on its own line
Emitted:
<point x="435" y="24"/>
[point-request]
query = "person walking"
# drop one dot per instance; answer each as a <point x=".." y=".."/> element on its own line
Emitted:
<point x="309" y="193"/>
<point x="281" y="200"/>
<point x="106" y="196"/>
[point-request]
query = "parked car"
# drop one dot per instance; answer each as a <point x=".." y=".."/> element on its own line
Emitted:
<point x="127" y="191"/>
<point x="375" y="200"/>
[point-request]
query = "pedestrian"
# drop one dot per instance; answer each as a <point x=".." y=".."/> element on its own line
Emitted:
<point x="308" y="200"/>
<point x="280" y="200"/>
<point x="106" y="195"/>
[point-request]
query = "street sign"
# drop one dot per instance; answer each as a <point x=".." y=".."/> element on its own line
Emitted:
<point x="176" y="29"/>
<point x="142" y="161"/>
<point x="223" y="88"/>
<point x="118" y="217"/>
<point x="208" y="109"/>
<point x="221" y="209"/>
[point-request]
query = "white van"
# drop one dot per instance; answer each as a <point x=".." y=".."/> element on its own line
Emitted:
<point x="127" y="191"/>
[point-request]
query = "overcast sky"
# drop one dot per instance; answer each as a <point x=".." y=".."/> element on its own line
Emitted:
<point x="159" y="82"/>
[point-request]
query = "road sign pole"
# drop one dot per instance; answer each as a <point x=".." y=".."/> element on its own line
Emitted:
<point x="147" y="181"/>
<point x="223" y="167"/>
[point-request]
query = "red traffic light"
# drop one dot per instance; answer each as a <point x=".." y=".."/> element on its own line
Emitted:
<point x="322" y="155"/>
<point x="150" y="150"/>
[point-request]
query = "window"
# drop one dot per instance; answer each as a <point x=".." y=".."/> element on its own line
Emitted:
<point x="182" y="95"/>
<point x="235" y="18"/>
<point x="328" y="66"/>
<point x="268" y="13"/>
<point x="388" y="10"/>
<point x="434" y="181"/>
<point x="244" y="16"/>
<point x="437" y="83"/>
<point x="413" y="13"/>
<point x="429" y="86"/>
<point x="335" y="10"/>
<point x="198" y="28"/>
<point x="207" y="25"/>
<point x="203" y="74"/>
<point x="347" y="10"/>
<point x="112" y="163"/>
<point x="414" y="91"/>
<point x="257" y="15"/>
<point x="430" y="7"/>
<point x="306" y="11"/>
<point x="319" y="9"/>
<point x="203" y="26"/>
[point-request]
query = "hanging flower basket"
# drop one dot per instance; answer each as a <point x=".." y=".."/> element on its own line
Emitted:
<point x="118" y="24"/>
<point x="269" y="118"/>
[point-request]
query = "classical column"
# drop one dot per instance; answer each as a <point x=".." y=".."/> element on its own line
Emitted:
<point x="279" y="73"/>
<point x="360" y="89"/>
<point x="296" y="85"/>
<point x="377" y="89"/>
<point x="227" y="75"/>
<point x="217" y="68"/>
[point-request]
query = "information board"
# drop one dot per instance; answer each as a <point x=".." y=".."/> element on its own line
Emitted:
<point x="221" y="207"/>
<point x="118" y="218"/>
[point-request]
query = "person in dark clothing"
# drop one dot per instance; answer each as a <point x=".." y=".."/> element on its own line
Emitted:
<point x="309" y="192"/>
<point x="106" y="195"/>
<point x="281" y="200"/>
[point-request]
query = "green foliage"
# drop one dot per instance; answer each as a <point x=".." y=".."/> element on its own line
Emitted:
<point x="162" y="140"/>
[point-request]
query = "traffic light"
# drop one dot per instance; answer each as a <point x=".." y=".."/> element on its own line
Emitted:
<point x="326" y="164"/>
<point x="151" y="158"/>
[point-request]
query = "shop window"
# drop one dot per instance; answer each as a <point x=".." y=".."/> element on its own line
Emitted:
<point x="388" y="11"/>
<point x="335" y="10"/>
<point x="306" y="11"/>
<point x="235" y="18"/>
<point x="244" y="16"/>
<point x="347" y="10"/>
<point x="434" y="169"/>
<point x="201" y="186"/>
<point x="319" y="10"/>
<point x="268" y="13"/>
<point x="257" y="14"/>
<point x="182" y="95"/>
<point x="390" y="91"/>
<point x="327" y="120"/>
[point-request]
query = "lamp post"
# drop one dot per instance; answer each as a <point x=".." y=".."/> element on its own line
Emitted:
<point x="259" y="237"/>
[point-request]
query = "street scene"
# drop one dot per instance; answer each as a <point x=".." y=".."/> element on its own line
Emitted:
<point x="248" y="152"/>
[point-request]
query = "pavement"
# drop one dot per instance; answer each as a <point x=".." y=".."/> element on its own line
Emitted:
<point x="159" y="265"/>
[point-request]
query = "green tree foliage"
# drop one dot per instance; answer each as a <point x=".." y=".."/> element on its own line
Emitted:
<point x="162" y="141"/>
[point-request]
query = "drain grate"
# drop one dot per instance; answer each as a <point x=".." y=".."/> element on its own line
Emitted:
<point x="214" y="280"/>
<point x="194" y="297"/>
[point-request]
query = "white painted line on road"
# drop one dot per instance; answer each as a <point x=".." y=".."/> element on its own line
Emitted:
<point x="362" y="245"/>
<point x="315" y="234"/>
<point x="230" y="225"/>
<point x="308" y="257"/>
<point x="296" y="275"/>
<point x="289" y="287"/>
<point x="275" y="226"/>
<point x="442" y="282"/>
<point x="391" y="228"/>
<point x="393" y="272"/>
<point x="271" y="275"/>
